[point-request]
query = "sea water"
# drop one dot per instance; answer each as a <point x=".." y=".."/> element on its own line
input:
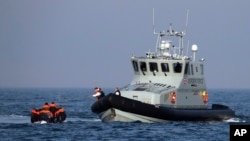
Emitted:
<point x="82" y="124"/>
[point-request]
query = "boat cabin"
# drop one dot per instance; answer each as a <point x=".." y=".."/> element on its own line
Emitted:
<point x="167" y="77"/>
<point x="162" y="67"/>
<point x="159" y="70"/>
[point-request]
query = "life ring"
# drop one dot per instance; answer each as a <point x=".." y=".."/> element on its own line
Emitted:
<point x="172" y="97"/>
<point x="204" y="97"/>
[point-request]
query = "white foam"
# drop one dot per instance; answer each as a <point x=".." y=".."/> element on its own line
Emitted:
<point x="235" y="120"/>
<point x="43" y="122"/>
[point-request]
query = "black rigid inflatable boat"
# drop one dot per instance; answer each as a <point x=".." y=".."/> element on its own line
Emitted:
<point x="217" y="112"/>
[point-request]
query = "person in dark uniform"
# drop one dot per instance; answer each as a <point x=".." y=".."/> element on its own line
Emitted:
<point x="117" y="92"/>
<point x="102" y="93"/>
<point x="98" y="93"/>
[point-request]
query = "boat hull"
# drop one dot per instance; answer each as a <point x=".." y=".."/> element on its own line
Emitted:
<point x="117" y="108"/>
<point x="60" y="117"/>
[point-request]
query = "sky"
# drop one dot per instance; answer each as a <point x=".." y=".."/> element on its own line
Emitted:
<point x="87" y="43"/>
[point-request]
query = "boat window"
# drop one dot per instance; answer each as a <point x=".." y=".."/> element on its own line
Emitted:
<point x="187" y="70"/>
<point x="164" y="67"/>
<point x="153" y="67"/>
<point x="202" y="71"/>
<point x="177" y="67"/>
<point x="143" y="66"/>
<point x="135" y="65"/>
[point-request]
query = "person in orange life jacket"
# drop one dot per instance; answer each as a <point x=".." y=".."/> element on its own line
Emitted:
<point x="53" y="108"/>
<point x="98" y="93"/>
<point x="52" y="105"/>
<point x="45" y="106"/>
<point x="60" y="110"/>
<point x="35" y="115"/>
<point x="45" y="110"/>
<point x="35" y="111"/>
<point x="117" y="92"/>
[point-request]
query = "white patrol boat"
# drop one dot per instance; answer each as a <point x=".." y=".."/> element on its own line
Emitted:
<point x="167" y="85"/>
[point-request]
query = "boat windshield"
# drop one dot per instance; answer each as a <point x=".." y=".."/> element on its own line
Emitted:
<point x="164" y="67"/>
<point x="177" y="67"/>
<point x="153" y="67"/>
<point x="143" y="66"/>
<point x="135" y="65"/>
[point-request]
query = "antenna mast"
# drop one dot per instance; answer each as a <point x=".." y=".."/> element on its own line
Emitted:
<point x="162" y="47"/>
<point x="154" y="20"/>
<point x="187" y="20"/>
<point x="185" y="32"/>
<point x="158" y="38"/>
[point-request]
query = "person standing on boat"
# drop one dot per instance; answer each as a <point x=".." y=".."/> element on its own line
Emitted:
<point x="98" y="93"/>
<point x="117" y="92"/>
<point x="102" y="93"/>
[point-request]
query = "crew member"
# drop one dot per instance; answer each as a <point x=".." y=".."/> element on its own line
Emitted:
<point x="98" y="93"/>
<point x="102" y="93"/>
<point x="117" y="92"/>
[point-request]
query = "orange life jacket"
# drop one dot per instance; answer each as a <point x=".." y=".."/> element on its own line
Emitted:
<point x="52" y="105"/>
<point x="44" y="111"/>
<point x="45" y="106"/>
<point x="59" y="111"/>
<point x="35" y="112"/>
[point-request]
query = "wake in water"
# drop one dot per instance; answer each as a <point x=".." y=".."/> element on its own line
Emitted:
<point x="239" y="119"/>
<point x="20" y="119"/>
<point x="235" y="120"/>
<point x="17" y="119"/>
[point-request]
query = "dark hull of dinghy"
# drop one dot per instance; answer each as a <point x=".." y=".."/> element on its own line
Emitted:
<point x="46" y="117"/>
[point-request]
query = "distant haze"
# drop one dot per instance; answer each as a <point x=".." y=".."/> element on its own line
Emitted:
<point x="84" y="43"/>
